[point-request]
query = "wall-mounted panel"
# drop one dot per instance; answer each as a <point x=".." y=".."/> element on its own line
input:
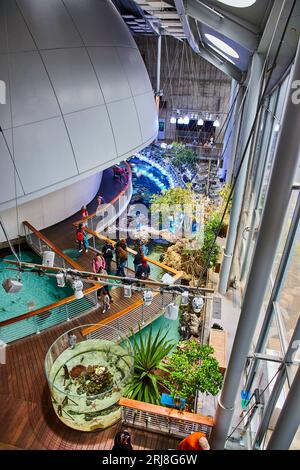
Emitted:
<point x="147" y="112"/>
<point x="92" y="137"/>
<point x="33" y="98"/>
<point x="99" y="23"/>
<point x="14" y="34"/>
<point x="125" y="123"/>
<point x="110" y="72"/>
<point x="49" y="23"/>
<point x="42" y="151"/>
<point x="9" y="180"/>
<point x="73" y="78"/>
<point x="135" y="70"/>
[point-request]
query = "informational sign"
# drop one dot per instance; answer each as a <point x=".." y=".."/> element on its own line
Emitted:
<point x="161" y="129"/>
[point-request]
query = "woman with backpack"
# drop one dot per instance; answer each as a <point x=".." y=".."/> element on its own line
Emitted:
<point x="121" y="256"/>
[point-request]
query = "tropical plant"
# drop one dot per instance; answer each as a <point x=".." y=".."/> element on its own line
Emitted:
<point x="148" y="354"/>
<point x="182" y="155"/>
<point x="192" y="367"/>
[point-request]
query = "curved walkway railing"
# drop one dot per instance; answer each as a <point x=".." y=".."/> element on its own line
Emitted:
<point x="38" y="320"/>
<point x="108" y="213"/>
<point x="160" y="419"/>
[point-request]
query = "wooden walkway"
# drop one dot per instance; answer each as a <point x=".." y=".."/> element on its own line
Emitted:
<point x="26" y="414"/>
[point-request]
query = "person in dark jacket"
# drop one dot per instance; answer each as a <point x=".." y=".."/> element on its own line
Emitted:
<point x="143" y="270"/>
<point x="108" y="254"/>
<point x="122" y="441"/>
<point x="138" y="259"/>
<point x="121" y="257"/>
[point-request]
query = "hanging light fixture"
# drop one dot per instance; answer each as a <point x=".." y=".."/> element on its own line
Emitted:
<point x="181" y="120"/>
<point x="200" y="122"/>
<point x="173" y="120"/>
<point x="216" y="123"/>
<point x="186" y="120"/>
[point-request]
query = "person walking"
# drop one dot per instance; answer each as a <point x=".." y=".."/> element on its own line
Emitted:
<point x="143" y="270"/>
<point x="122" y="256"/>
<point x="138" y="259"/>
<point x="84" y="214"/>
<point x="85" y="242"/>
<point x="106" y="300"/>
<point x="108" y="255"/>
<point x="72" y="340"/>
<point x="79" y="237"/>
<point x="195" y="441"/>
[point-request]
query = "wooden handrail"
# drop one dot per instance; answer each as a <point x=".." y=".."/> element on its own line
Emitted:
<point x="109" y="319"/>
<point x="121" y="313"/>
<point x="130" y="250"/>
<point x="67" y="300"/>
<point x="52" y="246"/>
<point x="169" y="412"/>
<point x="84" y="219"/>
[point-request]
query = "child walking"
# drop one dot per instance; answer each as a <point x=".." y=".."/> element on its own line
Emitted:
<point x="106" y="301"/>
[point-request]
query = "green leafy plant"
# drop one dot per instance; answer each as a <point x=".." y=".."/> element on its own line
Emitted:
<point x="182" y="156"/>
<point x="192" y="367"/>
<point x="148" y="354"/>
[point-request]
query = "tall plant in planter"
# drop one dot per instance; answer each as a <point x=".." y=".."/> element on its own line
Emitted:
<point x="192" y="367"/>
<point x="148" y="354"/>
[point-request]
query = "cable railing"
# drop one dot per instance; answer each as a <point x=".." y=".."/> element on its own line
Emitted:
<point x="136" y="316"/>
<point x="162" y="420"/>
<point x="66" y="309"/>
<point x="157" y="268"/>
<point x="107" y="214"/>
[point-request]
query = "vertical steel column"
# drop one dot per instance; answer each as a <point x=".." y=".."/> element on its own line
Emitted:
<point x="239" y="109"/>
<point x="158" y="65"/>
<point x="277" y="201"/>
<point x="289" y="419"/>
<point x="251" y="110"/>
<point x="263" y="336"/>
<point x="229" y="134"/>
<point x="268" y="411"/>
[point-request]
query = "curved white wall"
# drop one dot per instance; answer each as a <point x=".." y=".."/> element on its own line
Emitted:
<point x="78" y="95"/>
<point x="52" y="208"/>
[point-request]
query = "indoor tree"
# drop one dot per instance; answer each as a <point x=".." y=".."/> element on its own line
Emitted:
<point x="192" y="367"/>
<point x="149" y="351"/>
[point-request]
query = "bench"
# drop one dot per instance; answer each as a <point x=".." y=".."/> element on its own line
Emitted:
<point x="218" y="341"/>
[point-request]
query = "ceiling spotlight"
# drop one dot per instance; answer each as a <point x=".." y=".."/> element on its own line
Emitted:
<point x="48" y="258"/>
<point x="197" y="304"/>
<point x="200" y="122"/>
<point x="173" y="120"/>
<point x="184" y="298"/>
<point x="148" y="297"/>
<point x="172" y="311"/>
<point x="12" y="286"/>
<point x="77" y="285"/>
<point x="216" y="123"/>
<point x="180" y="120"/>
<point x="127" y="291"/>
<point x="186" y="120"/>
<point x="61" y="279"/>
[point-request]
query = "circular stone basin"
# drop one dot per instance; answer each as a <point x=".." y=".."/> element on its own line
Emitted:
<point x="87" y="380"/>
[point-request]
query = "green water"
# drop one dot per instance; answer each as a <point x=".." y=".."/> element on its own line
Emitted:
<point x="165" y="325"/>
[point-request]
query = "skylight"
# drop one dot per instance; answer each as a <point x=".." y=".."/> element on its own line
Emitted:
<point x="222" y="45"/>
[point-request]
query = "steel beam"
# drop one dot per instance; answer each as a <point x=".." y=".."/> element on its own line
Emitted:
<point x="285" y="165"/>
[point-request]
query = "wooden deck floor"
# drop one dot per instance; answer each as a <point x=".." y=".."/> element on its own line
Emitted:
<point x="26" y="414"/>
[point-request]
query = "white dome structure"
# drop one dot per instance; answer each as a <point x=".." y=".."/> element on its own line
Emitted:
<point x="78" y="96"/>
